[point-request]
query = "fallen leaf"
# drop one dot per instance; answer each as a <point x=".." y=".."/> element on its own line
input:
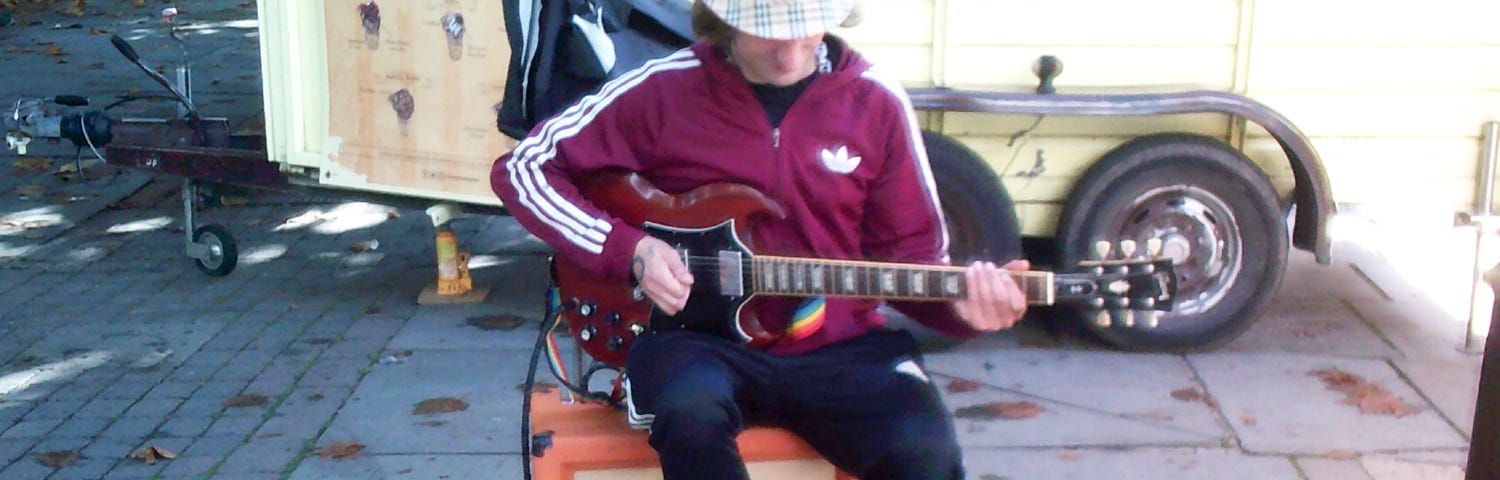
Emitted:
<point x="495" y="322"/>
<point x="999" y="410"/>
<point x="233" y="201"/>
<point x="30" y="190"/>
<point x="1248" y="420"/>
<point x="246" y="400"/>
<point x="1068" y="456"/>
<point x="31" y="164"/>
<point x="139" y="4"/>
<point x="433" y="406"/>
<point x="432" y="423"/>
<point x="1194" y="395"/>
<point x="318" y="341"/>
<point x="1341" y="455"/>
<point x="58" y="458"/>
<point x="1369" y="397"/>
<point x="152" y="453"/>
<point x="341" y="450"/>
<point x="364" y="246"/>
<point x="961" y="385"/>
<point x="55" y="51"/>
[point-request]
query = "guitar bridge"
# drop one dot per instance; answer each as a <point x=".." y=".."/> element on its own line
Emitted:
<point x="731" y="273"/>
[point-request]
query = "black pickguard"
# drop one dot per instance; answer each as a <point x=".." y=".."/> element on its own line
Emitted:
<point x="709" y="309"/>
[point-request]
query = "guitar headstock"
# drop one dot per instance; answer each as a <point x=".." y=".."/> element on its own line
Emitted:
<point x="1124" y="285"/>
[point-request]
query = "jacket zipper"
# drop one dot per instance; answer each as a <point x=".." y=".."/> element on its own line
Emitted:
<point x="776" y="137"/>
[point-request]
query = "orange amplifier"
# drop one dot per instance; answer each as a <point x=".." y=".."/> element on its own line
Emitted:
<point x="593" y="442"/>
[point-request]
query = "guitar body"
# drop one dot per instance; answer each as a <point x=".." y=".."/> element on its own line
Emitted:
<point x="606" y="316"/>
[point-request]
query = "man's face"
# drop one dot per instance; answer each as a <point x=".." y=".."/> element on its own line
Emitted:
<point x="776" y="62"/>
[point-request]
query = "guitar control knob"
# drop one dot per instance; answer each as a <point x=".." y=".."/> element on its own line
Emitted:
<point x="587" y="308"/>
<point x="587" y="334"/>
<point x="612" y="318"/>
<point x="614" y="343"/>
<point x="1102" y="319"/>
<point x="637" y="328"/>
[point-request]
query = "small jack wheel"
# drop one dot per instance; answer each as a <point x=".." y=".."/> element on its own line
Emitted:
<point x="221" y="256"/>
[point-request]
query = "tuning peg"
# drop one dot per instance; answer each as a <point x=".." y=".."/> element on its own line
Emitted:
<point x="1102" y="319"/>
<point x="1127" y="248"/>
<point x="1153" y="318"/>
<point x="1153" y="247"/>
<point x="1127" y="318"/>
<point x="1101" y="250"/>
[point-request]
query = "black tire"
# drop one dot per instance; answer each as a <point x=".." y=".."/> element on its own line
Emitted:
<point x="1218" y="217"/>
<point x="224" y="255"/>
<point x="980" y="216"/>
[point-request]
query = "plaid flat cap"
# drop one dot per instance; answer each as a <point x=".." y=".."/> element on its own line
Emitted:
<point x="781" y="19"/>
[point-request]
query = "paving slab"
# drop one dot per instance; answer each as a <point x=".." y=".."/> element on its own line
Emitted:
<point x="1275" y="405"/>
<point x="1108" y="398"/>
<point x="1127" y="464"/>
<point x="499" y="467"/>
<point x="1316" y="468"/>
<point x="444" y="327"/>
<point x="379" y="414"/>
<point x="1323" y="325"/>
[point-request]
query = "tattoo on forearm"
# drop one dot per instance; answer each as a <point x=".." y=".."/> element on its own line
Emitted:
<point x="638" y="267"/>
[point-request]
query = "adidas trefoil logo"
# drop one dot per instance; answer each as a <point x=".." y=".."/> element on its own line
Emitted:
<point x="839" y="160"/>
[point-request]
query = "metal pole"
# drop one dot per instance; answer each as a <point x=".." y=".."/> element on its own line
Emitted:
<point x="1485" y="195"/>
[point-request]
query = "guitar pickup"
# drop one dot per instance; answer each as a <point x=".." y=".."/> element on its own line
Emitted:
<point x="731" y="273"/>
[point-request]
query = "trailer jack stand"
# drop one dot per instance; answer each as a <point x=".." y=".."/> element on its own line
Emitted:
<point x="454" y="285"/>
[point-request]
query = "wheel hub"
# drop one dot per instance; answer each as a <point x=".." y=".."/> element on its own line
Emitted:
<point x="1198" y="232"/>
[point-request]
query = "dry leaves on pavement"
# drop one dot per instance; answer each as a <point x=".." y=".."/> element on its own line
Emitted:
<point x="962" y="385"/>
<point x="433" y="406"/>
<point x="496" y="322"/>
<point x="152" y="453"/>
<point x="58" y="458"/>
<point x="340" y="450"/>
<point x="246" y="400"/>
<point x="1371" y="398"/>
<point x="999" y="410"/>
<point x="1194" y="395"/>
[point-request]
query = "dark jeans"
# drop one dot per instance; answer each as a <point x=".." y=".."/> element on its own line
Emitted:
<point x="847" y="400"/>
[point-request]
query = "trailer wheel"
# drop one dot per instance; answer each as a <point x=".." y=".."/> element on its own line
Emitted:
<point x="979" y="214"/>
<point x="1218" y="218"/>
<point x="223" y="254"/>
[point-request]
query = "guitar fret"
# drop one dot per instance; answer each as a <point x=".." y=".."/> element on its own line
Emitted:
<point x="847" y="273"/>
<point x="799" y="278"/>
<point x="887" y="281"/>
<point x="918" y="282"/>
<point x="816" y="272"/>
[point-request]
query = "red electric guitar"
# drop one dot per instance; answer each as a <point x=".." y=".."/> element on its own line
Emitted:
<point x="605" y="316"/>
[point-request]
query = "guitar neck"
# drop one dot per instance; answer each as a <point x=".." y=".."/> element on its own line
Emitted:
<point x="808" y="277"/>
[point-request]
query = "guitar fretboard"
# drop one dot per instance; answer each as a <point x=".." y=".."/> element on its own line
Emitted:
<point x="806" y="277"/>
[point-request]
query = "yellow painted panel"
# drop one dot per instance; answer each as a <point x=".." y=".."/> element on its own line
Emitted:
<point x="1192" y="67"/>
<point x="986" y="124"/>
<point x="1052" y="23"/>
<point x="1038" y="219"/>
<point x="1371" y="67"/>
<point x="910" y="65"/>
<point x="892" y="22"/>
<point x="1386" y="113"/>
<point x="1363" y="22"/>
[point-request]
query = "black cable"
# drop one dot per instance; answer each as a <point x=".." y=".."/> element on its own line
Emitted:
<point x="536" y="353"/>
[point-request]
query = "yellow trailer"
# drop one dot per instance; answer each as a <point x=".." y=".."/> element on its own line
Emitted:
<point x="1219" y="129"/>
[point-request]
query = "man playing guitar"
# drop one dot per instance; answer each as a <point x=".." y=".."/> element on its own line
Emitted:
<point x="768" y="100"/>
